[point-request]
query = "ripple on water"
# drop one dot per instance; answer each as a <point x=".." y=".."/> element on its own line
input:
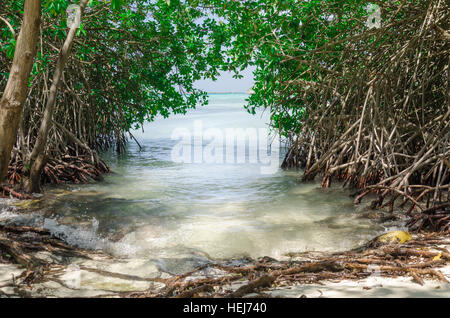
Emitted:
<point x="172" y="214"/>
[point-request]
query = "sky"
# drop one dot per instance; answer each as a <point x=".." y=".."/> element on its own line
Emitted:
<point x="225" y="83"/>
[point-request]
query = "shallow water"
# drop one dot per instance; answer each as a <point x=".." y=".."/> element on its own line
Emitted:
<point x="174" y="216"/>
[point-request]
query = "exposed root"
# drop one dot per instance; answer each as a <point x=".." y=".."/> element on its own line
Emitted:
<point x="419" y="259"/>
<point x="261" y="282"/>
<point x="377" y="118"/>
<point x="415" y="259"/>
<point x="18" y="244"/>
<point x="6" y="191"/>
<point x="79" y="166"/>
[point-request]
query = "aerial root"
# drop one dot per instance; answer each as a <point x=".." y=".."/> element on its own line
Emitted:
<point x="69" y="167"/>
<point x="384" y="127"/>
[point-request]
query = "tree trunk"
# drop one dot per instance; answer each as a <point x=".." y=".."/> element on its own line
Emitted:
<point x="16" y="90"/>
<point x="38" y="157"/>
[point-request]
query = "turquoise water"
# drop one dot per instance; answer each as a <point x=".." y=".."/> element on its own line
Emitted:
<point x="156" y="209"/>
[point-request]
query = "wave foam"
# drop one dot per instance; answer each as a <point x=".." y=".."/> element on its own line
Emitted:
<point x="87" y="238"/>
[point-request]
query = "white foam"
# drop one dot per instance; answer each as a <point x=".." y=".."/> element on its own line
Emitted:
<point x="398" y="227"/>
<point x="87" y="238"/>
<point x="6" y="215"/>
<point x="8" y="211"/>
